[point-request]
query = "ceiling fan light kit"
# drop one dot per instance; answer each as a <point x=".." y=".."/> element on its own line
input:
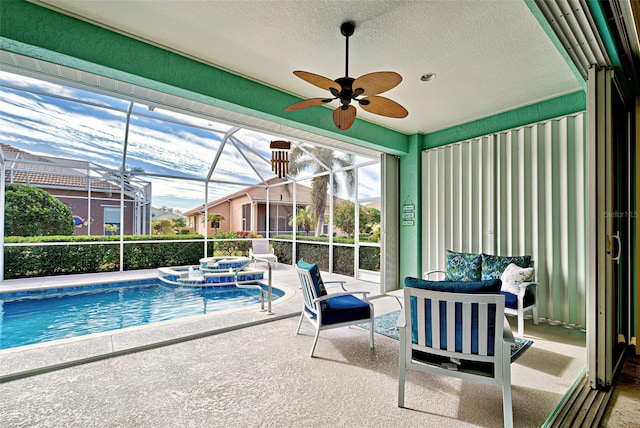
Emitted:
<point x="347" y="89"/>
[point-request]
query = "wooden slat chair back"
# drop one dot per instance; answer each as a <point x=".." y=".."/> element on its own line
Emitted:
<point x="456" y="334"/>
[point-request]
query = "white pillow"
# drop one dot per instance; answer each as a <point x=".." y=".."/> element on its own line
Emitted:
<point x="513" y="276"/>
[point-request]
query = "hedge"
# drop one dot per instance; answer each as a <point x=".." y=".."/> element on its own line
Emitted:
<point x="343" y="258"/>
<point x="104" y="255"/>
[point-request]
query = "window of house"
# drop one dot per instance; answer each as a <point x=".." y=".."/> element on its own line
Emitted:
<point x="112" y="220"/>
<point x="246" y="217"/>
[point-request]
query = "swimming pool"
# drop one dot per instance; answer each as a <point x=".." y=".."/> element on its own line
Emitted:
<point x="44" y="315"/>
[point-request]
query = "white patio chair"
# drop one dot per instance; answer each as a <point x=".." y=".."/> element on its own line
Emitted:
<point x="325" y="311"/>
<point x="260" y="249"/>
<point x="478" y="348"/>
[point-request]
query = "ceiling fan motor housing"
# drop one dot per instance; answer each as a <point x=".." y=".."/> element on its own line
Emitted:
<point x="346" y="94"/>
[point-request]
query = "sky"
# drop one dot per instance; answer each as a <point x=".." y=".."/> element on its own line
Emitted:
<point x="43" y="118"/>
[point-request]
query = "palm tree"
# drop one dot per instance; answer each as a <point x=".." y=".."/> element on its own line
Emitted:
<point x="215" y="219"/>
<point x="312" y="158"/>
<point x="303" y="218"/>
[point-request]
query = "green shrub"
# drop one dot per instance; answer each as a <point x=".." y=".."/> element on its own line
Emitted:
<point x="30" y="211"/>
<point x="343" y="260"/>
<point x="370" y="258"/>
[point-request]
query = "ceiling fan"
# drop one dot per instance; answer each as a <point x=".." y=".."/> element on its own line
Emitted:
<point x="347" y="88"/>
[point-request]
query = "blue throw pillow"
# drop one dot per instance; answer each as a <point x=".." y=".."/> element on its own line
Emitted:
<point x="494" y="266"/>
<point x="318" y="284"/>
<point x="463" y="266"/>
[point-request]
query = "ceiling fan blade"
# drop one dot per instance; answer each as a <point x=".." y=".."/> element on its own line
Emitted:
<point x="311" y="102"/>
<point x="344" y="118"/>
<point x="317" y="80"/>
<point x="383" y="106"/>
<point x="376" y="83"/>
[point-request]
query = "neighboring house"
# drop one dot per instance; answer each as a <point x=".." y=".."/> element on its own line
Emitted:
<point x="158" y="214"/>
<point x="91" y="192"/>
<point x="162" y="214"/>
<point x="246" y="210"/>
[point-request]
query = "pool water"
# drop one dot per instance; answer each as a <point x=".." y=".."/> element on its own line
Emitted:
<point x="47" y="317"/>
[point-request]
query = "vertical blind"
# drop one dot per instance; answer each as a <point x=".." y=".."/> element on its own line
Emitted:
<point x="516" y="192"/>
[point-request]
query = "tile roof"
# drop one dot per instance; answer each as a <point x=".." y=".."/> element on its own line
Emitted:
<point x="259" y="194"/>
<point x="46" y="173"/>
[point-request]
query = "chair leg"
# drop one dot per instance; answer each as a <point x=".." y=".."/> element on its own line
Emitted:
<point x="520" y="324"/>
<point x="535" y="315"/>
<point x="315" y="340"/>
<point x="300" y="322"/>
<point x="507" y="405"/>
<point x="402" y="368"/>
<point x="371" y="334"/>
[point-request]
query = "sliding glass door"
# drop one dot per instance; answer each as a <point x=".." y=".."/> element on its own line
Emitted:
<point x="610" y="216"/>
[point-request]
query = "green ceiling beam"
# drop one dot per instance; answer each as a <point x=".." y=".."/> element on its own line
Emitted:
<point x="533" y="113"/>
<point x="41" y="33"/>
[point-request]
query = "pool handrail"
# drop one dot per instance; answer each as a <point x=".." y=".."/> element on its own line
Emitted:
<point x="269" y="286"/>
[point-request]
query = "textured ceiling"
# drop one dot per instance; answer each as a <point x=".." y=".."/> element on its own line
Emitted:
<point x="489" y="56"/>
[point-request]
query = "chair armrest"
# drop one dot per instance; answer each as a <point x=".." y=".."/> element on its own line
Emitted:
<point x="507" y="334"/>
<point x="431" y="272"/>
<point x="401" y="322"/>
<point x="342" y="283"/>
<point x="526" y="285"/>
<point x="328" y="296"/>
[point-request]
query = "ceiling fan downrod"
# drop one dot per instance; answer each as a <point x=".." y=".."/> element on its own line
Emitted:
<point x="347" y="29"/>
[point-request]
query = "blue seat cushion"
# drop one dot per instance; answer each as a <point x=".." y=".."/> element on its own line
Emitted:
<point x="481" y="287"/>
<point x="345" y="308"/>
<point x="511" y="300"/>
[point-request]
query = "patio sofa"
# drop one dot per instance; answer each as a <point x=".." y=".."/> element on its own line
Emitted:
<point x="516" y="272"/>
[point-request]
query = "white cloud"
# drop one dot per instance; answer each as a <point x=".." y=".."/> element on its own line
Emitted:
<point x="54" y="127"/>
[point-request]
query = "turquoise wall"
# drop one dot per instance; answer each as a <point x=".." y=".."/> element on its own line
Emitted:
<point x="410" y="192"/>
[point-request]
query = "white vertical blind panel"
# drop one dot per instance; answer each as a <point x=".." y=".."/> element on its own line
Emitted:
<point x="456" y="189"/>
<point x="540" y="192"/>
<point x="516" y="192"/>
<point x="486" y="181"/>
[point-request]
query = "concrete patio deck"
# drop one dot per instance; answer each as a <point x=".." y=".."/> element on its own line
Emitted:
<point x="247" y="368"/>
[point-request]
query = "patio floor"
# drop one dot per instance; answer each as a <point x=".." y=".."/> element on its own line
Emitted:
<point x="247" y="368"/>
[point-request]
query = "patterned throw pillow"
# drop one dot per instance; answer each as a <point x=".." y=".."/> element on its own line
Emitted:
<point x="513" y="276"/>
<point x="494" y="266"/>
<point x="463" y="266"/>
